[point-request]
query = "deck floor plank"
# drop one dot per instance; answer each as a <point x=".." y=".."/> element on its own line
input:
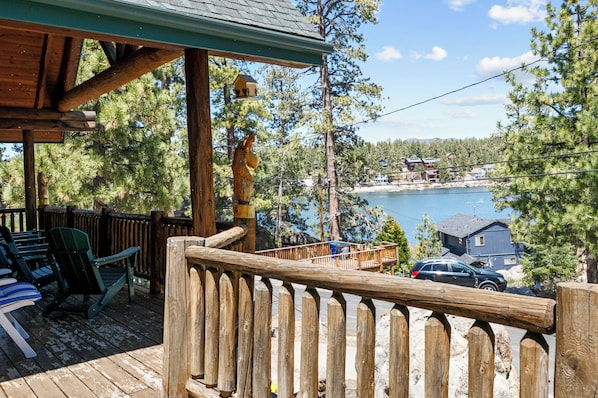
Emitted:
<point x="117" y="353"/>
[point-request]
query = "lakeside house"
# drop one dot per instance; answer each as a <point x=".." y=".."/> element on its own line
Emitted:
<point x="479" y="241"/>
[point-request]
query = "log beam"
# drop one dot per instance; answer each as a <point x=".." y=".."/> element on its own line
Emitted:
<point x="46" y="120"/>
<point x="141" y="62"/>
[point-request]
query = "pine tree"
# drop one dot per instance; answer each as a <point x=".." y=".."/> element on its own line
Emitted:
<point x="392" y="232"/>
<point x="551" y="136"/>
<point x="427" y="236"/>
<point x="341" y="92"/>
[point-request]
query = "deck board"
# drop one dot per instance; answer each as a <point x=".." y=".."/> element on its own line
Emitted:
<point x="118" y="353"/>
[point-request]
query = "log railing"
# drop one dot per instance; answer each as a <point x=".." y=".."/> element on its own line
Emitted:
<point x="218" y="328"/>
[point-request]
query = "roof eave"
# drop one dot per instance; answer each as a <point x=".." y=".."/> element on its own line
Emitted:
<point x="156" y="25"/>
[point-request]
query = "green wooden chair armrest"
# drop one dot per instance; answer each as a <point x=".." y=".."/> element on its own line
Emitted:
<point x="118" y="256"/>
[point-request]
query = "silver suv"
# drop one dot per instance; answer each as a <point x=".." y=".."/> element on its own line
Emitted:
<point x="456" y="272"/>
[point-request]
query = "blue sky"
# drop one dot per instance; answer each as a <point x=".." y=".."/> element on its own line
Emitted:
<point x="421" y="49"/>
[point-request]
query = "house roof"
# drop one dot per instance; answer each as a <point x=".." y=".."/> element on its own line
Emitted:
<point x="462" y="226"/>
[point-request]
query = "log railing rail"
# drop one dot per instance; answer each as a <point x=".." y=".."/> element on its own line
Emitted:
<point x="219" y="305"/>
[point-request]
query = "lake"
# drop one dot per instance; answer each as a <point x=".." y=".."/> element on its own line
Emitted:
<point x="408" y="207"/>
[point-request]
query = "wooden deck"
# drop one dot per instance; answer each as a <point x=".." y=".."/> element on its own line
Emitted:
<point x="116" y="354"/>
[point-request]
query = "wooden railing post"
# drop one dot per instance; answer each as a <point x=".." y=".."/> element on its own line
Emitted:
<point x="104" y="235"/>
<point x="438" y="354"/>
<point x="533" y="365"/>
<point x="366" y="347"/>
<point x="156" y="258"/>
<point x="262" y="340"/>
<point x="310" y="332"/>
<point x="398" y="383"/>
<point x="337" y="346"/>
<point x="286" y="340"/>
<point x="70" y="216"/>
<point x="176" y="370"/>
<point x="41" y="215"/>
<point x="576" y="343"/>
<point x="481" y="361"/>
<point x="245" y="215"/>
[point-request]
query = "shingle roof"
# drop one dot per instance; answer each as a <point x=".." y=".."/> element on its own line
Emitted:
<point x="462" y="226"/>
<point x="278" y="15"/>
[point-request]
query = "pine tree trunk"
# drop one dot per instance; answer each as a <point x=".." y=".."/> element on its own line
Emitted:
<point x="333" y="207"/>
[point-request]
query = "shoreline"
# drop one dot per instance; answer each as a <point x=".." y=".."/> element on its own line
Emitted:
<point x="419" y="186"/>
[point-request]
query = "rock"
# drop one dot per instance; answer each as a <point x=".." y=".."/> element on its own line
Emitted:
<point x="506" y="382"/>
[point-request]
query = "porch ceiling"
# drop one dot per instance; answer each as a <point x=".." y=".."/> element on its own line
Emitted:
<point x="41" y="41"/>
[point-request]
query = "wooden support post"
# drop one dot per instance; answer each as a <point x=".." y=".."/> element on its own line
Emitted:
<point x="176" y="370"/>
<point x="30" y="190"/>
<point x="576" y="344"/>
<point x="199" y="131"/>
<point x="156" y="258"/>
<point x="245" y="215"/>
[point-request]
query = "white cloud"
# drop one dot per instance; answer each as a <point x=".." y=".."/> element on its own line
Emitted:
<point x="484" y="99"/>
<point x="388" y="53"/>
<point x="518" y="11"/>
<point x="463" y="114"/>
<point x="496" y="65"/>
<point x="437" y="54"/>
<point x="458" y="5"/>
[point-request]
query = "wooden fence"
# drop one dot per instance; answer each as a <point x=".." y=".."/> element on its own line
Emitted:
<point x="218" y="329"/>
<point x="110" y="232"/>
<point x="355" y="256"/>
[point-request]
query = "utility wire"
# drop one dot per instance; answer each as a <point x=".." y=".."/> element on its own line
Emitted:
<point x="448" y="92"/>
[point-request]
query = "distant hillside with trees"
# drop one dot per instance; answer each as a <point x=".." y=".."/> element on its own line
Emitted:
<point x="457" y="155"/>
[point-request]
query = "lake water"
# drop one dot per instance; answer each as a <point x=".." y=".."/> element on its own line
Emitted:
<point x="408" y="207"/>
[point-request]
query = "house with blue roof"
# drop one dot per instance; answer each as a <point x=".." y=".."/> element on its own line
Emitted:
<point x="479" y="240"/>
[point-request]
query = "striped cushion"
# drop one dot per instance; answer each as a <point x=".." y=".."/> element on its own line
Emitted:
<point x="18" y="292"/>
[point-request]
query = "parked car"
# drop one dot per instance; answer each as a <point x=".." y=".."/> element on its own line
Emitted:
<point x="456" y="272"/>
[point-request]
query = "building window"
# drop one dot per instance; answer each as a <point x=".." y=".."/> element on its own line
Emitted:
<point x="479" y="240"/>
<point x="511" y="260"/>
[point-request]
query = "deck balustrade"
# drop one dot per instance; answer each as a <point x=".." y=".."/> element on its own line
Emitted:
<point x="218" y="328"/>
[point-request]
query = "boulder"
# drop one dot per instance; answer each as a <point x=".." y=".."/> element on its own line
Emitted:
<point x="505" y="382"/>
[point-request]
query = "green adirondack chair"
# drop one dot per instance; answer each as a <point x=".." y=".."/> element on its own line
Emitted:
<point x="86" y="275"/>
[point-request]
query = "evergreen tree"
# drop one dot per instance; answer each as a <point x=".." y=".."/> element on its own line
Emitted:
<point x="342" y="91"/>
<point x="279" y="184"/>
<point x="427" y="236"/>
<point x="551" y="135"/>
<point x="392" y="232"/>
